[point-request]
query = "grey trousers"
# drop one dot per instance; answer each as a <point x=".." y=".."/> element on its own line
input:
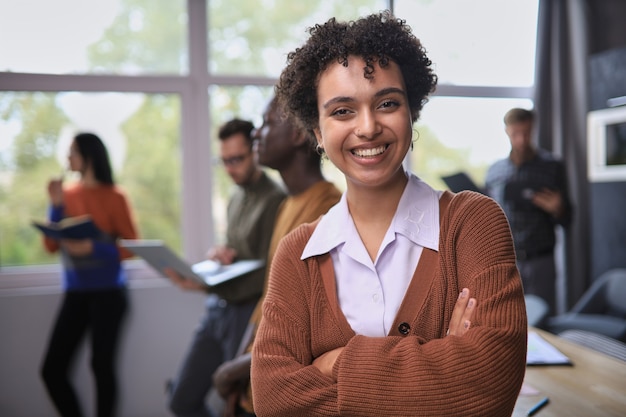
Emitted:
<point x="215" y="341"/>
<point x="539" y="278"/>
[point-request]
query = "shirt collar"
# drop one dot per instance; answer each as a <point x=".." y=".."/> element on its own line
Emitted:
<point x="416" y="218"/>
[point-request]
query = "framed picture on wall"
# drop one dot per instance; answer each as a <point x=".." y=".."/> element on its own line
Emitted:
<point x="606" y="144"/>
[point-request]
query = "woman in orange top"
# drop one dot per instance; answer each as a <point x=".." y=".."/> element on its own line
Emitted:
<point x="94" y="281"/>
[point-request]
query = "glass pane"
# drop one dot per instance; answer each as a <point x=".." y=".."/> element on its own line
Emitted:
<point x="140" y="132"/>
<point x="478" y="42"/>
<point x="246" y="38"/>
<point x="125" y="37"/>
<point x="457" y="134"/>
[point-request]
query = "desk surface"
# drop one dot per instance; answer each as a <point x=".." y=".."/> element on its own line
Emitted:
<point x="594" y="386"/>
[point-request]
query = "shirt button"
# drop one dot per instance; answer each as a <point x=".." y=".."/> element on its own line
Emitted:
<point x="404" y="328"/>
<point x="375" y="298"/>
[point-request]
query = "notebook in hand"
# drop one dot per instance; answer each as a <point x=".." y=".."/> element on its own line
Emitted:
<point x="79" y="227"/>
<point x="209" y="273"/>
<point x="460" y="182"/>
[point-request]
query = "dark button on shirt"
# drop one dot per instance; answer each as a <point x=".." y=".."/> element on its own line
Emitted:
<point x="404" y="328"/>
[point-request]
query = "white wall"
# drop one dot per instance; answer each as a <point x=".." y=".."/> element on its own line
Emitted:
<point x="159" y="326"/>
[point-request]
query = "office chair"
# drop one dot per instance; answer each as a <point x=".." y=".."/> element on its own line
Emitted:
<point x="601" y="309"/>
<point x="597" y="342"/>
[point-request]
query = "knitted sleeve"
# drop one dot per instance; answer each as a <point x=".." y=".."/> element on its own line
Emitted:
<point x="284" y="383"/>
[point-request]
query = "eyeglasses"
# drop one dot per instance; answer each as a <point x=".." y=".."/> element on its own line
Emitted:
<point x="235" y="160"/>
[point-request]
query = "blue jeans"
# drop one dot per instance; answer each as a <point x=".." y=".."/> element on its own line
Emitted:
<point x="215" y="341"/>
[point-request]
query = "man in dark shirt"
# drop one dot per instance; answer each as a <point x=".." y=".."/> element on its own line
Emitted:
<point x="531" y="186"/>
<point x="251" y="215"/>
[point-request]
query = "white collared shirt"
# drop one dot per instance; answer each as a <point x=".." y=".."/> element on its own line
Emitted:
<point x="370" y="293"/>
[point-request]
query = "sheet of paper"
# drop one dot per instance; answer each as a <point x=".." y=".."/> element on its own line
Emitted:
<point x="541" y="352"/>
<point x="528" y="390"/>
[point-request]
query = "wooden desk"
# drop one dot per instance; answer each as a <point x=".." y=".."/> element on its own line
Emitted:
<point x="594" y="387"/>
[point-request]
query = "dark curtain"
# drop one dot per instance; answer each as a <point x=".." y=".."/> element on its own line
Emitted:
<point x="568" y="32"/>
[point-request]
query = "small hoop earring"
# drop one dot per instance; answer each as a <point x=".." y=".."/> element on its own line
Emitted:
<point x="417" y="137"/>
<point x="319" y="149"/>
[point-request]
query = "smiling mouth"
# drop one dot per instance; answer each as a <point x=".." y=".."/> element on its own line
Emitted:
<point x="370" y="153"/>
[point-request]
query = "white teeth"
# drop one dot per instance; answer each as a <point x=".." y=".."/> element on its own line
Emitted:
<point x="369" y="152"/>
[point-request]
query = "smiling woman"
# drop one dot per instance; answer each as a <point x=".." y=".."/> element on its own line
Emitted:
<point x="376" y="293"/>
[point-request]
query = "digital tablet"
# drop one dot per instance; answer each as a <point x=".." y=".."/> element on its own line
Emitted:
<point x="210" y="273"/>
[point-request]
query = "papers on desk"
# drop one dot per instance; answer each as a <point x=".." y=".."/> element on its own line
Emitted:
<point x="541" y="352"/>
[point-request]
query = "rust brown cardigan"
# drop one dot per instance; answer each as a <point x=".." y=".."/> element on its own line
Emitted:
<point x="420" y="373"/>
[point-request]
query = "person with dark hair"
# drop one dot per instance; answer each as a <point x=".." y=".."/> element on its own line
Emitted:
<point x="251" y="215"/>
<point x="290" y="151"/>
<point x="531" y="186"/>
<point x="368" y="309"/>
<point x="94" y="281"/>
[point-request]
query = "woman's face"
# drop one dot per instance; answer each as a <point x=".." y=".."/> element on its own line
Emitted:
<point x="364" y="124"/>
<point x="75" y="159"/>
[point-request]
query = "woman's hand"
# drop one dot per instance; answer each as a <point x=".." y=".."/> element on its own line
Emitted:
<point x="326" y="361"/>
<point x="462" y="314"/>
<point x="55" y="191"/>
<point x="460" y="323"/>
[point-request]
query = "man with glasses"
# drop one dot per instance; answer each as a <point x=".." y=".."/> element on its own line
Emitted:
<point x="289" y="150"/>
<point x="251" y="214"/>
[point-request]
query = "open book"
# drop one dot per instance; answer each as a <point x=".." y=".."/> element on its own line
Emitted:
<point x="209" y="273"/>
<point x="542" y="352"/>
<point x="79" y="227"/>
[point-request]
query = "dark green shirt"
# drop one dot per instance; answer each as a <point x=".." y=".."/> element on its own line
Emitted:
<point x="251" y="214"/>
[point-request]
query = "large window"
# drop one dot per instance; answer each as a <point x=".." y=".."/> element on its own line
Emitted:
<point x="252" y="37"/>
<point x="156" y="78"/>
<point x="124" y="37"/>
<point x="478" y="42"/>
<point x="483" y="52"/>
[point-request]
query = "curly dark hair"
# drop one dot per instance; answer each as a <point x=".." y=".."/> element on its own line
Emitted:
<point x="376" y="38"/>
